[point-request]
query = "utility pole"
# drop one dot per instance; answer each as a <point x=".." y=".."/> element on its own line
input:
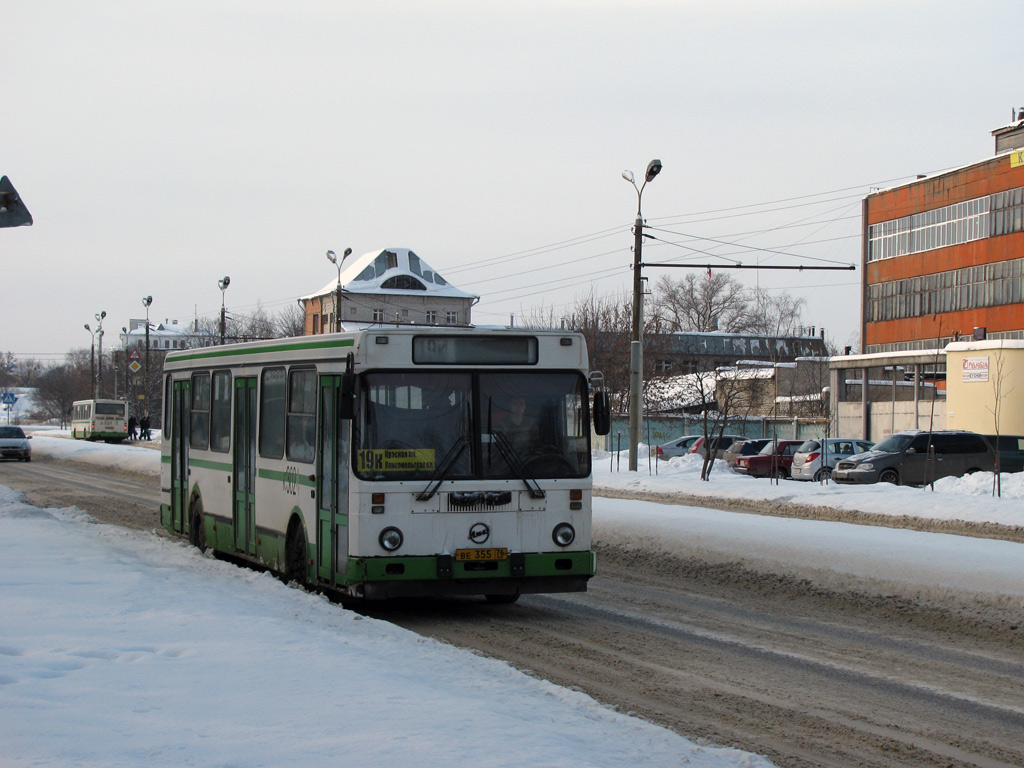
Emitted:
<point x="636" y="348"/>
<point x="146" y="301"/>
<point x="636" y="353"/>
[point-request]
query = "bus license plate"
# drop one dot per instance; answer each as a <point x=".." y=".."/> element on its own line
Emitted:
<point x="465" y="555"/>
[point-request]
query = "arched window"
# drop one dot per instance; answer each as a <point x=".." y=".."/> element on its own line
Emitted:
<point x="403" y="283"/>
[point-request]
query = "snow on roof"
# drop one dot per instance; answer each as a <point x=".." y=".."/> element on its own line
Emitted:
<point x="687" y="390"/>
<point x="814" y="396"/>
<point x="969" y="345"/>
<point x="166" y="328"/>
<point x="747" y="373"/>
<point x="390" y="271"/>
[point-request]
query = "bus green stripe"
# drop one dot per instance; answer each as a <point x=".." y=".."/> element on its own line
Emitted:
<point x="235" y="351"/>
<point x="275" y="474"/>
<point x="220" y="466"/>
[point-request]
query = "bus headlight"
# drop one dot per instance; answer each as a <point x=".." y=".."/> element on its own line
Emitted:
<point x="390" y="539"/>
<point x="563" y="535"/>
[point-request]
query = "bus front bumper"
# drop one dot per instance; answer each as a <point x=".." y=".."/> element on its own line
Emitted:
<point x="522" y="573"/>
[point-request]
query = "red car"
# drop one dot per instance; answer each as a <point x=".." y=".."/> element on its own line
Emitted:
<point x="775" y="459"/>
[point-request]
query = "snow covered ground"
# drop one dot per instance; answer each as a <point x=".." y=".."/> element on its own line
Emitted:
<point x="120" y="648"/>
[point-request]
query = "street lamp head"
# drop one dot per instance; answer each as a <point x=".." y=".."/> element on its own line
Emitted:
<point x="628" y="176"/>
<point x="224" y="282"/>
<point x="88" y="328"/>
<point x="653" y="169"/>
<point x="333" y="257"/>
<point x="146" y="301"/>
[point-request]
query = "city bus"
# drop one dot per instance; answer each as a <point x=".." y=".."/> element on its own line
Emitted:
<point x="397" y="462"/>
<point x="105" y="420"/>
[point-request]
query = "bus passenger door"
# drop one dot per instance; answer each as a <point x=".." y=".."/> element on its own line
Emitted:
<point x="332" y="485"/>
<point x="244" y="471"/>
<point x="181" y="404"/>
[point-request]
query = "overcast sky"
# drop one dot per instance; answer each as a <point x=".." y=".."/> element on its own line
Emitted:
<point x="163" y="145"/>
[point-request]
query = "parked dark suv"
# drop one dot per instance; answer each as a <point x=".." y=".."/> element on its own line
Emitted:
<point x="915" y="458"/>
<point x="1011" y="451"/>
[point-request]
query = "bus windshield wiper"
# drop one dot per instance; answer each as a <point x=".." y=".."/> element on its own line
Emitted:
<point x="508" y="453"/>
<point x="441" y="473"/>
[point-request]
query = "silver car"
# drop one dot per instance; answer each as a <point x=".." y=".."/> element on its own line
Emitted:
<point x="14" y="444"/>
<point x="678" y="447"/>
<point x="815" y="459"/>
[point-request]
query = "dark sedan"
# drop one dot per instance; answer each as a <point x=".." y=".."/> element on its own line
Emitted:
<point x="774" y="460"/>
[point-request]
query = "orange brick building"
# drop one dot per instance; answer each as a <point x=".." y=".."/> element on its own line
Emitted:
<point x="944" y="255"/>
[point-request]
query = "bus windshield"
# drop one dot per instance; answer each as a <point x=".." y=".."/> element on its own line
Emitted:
<point x="494" y="425"/>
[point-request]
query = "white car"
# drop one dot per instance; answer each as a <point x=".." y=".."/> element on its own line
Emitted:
<point x="816" y="459"/>
<point x="14" y="444"/>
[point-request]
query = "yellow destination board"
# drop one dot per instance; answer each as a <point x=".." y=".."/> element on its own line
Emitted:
<point x="396" y="460"/>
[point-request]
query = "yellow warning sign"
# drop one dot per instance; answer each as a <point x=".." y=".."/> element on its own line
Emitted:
<point x="396" y="460"/>
<point x="1017" y="158"/>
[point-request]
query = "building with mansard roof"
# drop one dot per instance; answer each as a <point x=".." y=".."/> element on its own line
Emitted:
<point x="393" y="285"/>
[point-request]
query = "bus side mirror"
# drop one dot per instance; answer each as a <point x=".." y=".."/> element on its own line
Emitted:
<point x="347" y="401"/>
<point x="602" y="412"/>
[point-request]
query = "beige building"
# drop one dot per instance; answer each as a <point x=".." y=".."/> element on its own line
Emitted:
<point x="963" y="385"/>
<point x="985" y="379"/>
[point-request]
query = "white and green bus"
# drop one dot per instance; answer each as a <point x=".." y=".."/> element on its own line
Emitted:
<point x="381" y="463"/>
<point x="105" y="420"/>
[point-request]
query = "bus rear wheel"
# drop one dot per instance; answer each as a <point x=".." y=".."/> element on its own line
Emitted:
<point x="196" y="528"/>
<point x="295" y="555"/>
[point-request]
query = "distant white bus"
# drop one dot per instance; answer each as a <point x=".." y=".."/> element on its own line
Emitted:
<point x="105" y="420"/>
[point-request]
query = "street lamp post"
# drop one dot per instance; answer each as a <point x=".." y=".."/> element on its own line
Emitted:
<point x="92" y="361"/>
<point x="146" y="301"/>
<point x="127" y="369"/>
<point x="333" y="258"/>
<point x="99" y="331"/>
<point x="223" y="283"/>
<point x="636" y="354"/>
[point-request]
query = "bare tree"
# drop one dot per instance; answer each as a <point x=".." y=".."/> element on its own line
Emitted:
<point x="290" y="321"/>
<point x="257" y="325"/>
<point x="606" y="325"/>
<point x="8" y="371"/>
<point x="774" y="315"/>
<point x="60" y="385"/>
<point x="999" y="393"/>
<point x="705" y="302"/>
<point x="27" y="372"/>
